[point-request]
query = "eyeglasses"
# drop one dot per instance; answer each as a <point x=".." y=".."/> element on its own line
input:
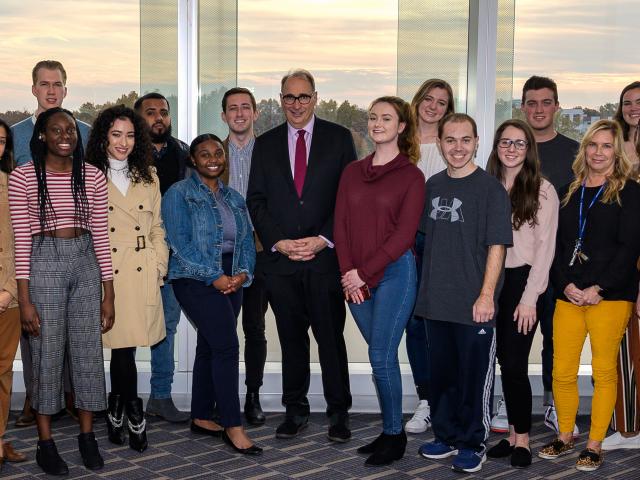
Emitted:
<point x="303" y="98"/>
<point x="507" y="142"/>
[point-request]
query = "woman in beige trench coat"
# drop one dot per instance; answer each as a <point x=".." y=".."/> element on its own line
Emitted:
<point x="120" y="146"/>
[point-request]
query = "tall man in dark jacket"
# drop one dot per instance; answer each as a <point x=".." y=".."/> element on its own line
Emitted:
<point x="170" y="157"/>
<point x="295" y="170"/>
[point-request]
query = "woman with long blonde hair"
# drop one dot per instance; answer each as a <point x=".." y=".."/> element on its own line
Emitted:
<point x="596" y="282"/>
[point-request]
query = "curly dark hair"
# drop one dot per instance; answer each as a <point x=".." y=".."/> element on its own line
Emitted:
<point x="141" y="157"/>
<point x="7" y="162"/>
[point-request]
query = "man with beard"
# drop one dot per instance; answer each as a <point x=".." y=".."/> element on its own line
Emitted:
<point x="170" y="157"/>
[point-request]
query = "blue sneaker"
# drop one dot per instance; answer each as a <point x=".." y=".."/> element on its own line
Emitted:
<point x="469" y="460"/>
<point x="437" y="449"/>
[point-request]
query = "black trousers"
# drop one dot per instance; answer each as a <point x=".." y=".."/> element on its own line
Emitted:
<point x="462" y="364"/>
<point x="302" y="300"/>
<point x="215" y="369"/>
<point x="123" y="373"/>
<point x="254" y="308"/>
<point x="513" y="349"/>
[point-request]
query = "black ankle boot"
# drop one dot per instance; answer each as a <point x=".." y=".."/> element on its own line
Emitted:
<point x="115" y="419"/>
<point x="88" y="447"/>
<point x="371" y="447"/>
<point x="252" y="409"/>
<point x="49" y="460"/>
<point x="136" y="425"/>
<point x="390" y="448"/>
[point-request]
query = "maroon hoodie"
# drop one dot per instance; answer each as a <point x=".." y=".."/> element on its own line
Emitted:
<point x="378" y="209"/>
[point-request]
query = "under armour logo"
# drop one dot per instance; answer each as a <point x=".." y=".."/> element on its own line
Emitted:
<point x="445" y="210"/>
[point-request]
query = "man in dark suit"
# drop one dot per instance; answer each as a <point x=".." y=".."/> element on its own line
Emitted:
<point x="291" y="201"/>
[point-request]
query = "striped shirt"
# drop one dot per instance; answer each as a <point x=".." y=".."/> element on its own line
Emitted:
<point x="240" y="163"/>
<point x="23" y="205"/>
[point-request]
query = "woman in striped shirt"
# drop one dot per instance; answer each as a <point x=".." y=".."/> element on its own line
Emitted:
<point x="58" y="210"/>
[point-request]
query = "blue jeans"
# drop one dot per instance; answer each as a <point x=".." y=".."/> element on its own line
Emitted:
<point x="162" y="361"/>
<point x="382" y="320"/>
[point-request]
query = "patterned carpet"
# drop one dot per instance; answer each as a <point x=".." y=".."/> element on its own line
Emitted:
<point x="176" y="453"/>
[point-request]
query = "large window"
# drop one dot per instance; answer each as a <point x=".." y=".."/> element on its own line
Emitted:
<point x="589" y="47"/>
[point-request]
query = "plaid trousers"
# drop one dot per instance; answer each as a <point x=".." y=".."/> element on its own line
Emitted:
<point x="65" y="287"/>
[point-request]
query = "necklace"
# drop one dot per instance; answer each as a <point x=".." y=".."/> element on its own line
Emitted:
<point x="122" y="169"/>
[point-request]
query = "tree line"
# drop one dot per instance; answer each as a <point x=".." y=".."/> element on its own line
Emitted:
<point x="347" y="114"/>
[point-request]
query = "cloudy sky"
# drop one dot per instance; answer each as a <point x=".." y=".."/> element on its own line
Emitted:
<point x="590" y="48"/>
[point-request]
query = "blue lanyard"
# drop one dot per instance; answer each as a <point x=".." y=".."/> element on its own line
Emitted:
<point x="582" y="223"/>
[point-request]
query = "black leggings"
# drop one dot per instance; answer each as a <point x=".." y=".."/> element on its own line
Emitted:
<point x="513" y="349"/>
<point x="124" y="375"/>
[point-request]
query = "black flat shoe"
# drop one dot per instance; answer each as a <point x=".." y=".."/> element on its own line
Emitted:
<point x="501" y="450"/>
<point x="521" y="457"/>
<point x="252" y="450"/>
<point x="205" y="431"/>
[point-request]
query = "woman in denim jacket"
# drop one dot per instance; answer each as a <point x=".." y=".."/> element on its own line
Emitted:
<point x="212" y="258"/>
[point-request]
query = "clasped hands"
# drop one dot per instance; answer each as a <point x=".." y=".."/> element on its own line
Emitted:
<point x="588" y="296"/>
<point x="227" y="284"/>
<point x="351" y="283"/>
<point x="301" y="249"/>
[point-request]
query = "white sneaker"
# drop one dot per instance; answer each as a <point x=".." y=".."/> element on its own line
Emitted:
<point x="551" y="421"/>
<point x="421" y="420"/>
<point x="617" y="441"/>
<point x="500" y="421"/>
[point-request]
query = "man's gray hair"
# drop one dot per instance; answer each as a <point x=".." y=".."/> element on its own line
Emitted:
<point x="298" y="73"/>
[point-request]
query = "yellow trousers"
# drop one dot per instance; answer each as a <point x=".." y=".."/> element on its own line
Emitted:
<point x="605" y="323"/>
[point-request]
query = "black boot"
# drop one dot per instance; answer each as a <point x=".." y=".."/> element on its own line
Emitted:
<point x="88" y="447"/>
<point x="115" y="419"/>
<point x="252" y="409"/>
<point x="390" y="448"/>
<point x="136" y="425"/>
<point x="371" y="447"/>
<point x="49" y="460"/>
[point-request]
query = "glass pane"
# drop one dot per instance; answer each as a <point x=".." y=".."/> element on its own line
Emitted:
<point x="217" y="61"/>
<point x="159" y="51"/>
<point x="589" y="47"/>
<point x="504" y="60"/>
<point x="78" y="39"/>
<point x="349" y="47"/>
<point x="433" y="43"/>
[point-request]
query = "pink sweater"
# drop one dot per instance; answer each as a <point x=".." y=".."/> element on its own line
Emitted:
<point x="23" y="204"/>
<point x="535" y="245"/>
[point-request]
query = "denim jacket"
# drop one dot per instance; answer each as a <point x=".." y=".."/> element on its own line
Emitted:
<point x="194" y="232"/>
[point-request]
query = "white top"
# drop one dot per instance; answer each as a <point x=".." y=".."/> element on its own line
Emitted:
<point x="119" y="174"/>
<point x="431" y="162"/>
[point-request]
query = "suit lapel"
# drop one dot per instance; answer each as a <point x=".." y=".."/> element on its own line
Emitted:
<point x="283" y="158"/>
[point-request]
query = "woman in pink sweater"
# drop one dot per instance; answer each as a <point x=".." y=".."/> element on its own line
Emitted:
<point x="378" y="207"/>
<point x="534" y="205"/>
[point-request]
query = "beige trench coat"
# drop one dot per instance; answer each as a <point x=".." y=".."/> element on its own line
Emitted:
<point x="140" y="256"/>
<point x="7" y="265"/>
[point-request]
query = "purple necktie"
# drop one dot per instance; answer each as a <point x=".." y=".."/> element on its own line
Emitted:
<point x="300" y="165"/>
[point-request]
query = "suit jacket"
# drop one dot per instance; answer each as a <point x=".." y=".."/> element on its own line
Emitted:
<point x="276" y="210"/>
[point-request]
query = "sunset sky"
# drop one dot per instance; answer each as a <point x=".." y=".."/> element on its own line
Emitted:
<point x="590" y="49"/>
